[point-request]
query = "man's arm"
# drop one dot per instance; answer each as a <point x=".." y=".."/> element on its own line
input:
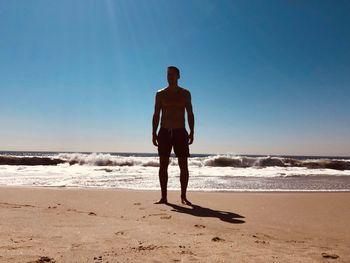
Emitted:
<point x="190" y="118"/>
<point x="155" y="121"/>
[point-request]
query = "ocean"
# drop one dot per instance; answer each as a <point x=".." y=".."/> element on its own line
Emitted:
<point x="208" y="172"/>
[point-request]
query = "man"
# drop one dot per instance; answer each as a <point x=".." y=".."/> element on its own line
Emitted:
<point x="173" y="101"/>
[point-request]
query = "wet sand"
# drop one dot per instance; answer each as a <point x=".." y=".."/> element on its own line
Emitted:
<point x="39" y="224"/>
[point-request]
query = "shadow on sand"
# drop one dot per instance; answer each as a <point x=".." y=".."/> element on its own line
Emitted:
<point x="200" y="211"/>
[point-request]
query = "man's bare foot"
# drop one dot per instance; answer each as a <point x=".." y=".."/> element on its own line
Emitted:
<point x="162" y="201"/>
<point x="185" y="201"/>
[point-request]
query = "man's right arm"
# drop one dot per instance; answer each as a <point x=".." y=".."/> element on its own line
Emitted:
<point x="155" y="121"/>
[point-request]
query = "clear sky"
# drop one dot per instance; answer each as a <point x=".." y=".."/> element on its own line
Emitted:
<point x="266" y="77"/>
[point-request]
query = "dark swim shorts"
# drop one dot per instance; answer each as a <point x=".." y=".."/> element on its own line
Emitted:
<point x="167" y="138"/>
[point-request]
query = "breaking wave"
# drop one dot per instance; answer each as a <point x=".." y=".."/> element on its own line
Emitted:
<point x="105" y="159"/>
<point x="245" y="161"/>
<point x="29" y="160"/>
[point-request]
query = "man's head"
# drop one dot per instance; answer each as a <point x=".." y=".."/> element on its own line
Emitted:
<point x="173" y="74"/>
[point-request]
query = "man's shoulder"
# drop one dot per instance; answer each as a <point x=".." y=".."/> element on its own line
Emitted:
<point x="161" y="91"/>
<point x="185" y="91"/>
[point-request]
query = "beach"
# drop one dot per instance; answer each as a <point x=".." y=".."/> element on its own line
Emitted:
<point x="53" y="224"/>
<point x="238" y="110"/>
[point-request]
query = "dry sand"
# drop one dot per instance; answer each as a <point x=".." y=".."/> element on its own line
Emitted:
<point x="40" y="224"/>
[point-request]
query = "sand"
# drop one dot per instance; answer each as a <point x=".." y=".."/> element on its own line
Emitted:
<point x="39" y="224"/>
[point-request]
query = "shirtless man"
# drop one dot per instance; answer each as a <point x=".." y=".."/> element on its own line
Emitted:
<point x="173" y="101"/>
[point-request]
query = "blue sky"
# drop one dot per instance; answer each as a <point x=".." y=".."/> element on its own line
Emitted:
<point x="266" y="77"/>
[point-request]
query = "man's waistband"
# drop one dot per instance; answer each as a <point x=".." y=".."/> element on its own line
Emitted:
<point x="172" y="129"/>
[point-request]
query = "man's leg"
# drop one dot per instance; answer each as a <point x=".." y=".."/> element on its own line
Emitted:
<point x="163" y="177"/>
<point x="184" y="175"/>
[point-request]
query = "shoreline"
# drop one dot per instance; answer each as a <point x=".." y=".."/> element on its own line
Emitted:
<point x="176" y="190"/>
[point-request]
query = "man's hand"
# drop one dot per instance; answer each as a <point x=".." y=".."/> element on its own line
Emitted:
<point x="155" y="139"/>
<point x="190" y="138"/>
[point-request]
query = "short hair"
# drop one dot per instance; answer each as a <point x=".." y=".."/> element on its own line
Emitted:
<point x="176" y="69"/>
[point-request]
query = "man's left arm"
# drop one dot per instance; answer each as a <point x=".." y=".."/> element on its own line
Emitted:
<point x="190" y="118"/>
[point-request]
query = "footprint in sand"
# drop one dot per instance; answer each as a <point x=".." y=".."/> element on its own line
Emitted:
<point x="259" y="238"/>
<point x="295" y="241"/>
<point x="159" y="214"/>
<point x="16" y="205"/>
<point x="15" y="248"/>
<point x="43" y="259"/>
<point x="82" y="212"/>
<point x="261" y="241"/>
<point x="98" y="258"/>
<point x="75" y="245"/>
<point x="327" y="255"/>
<point x="217" y="239"/>
<point x="162" y="215"/>
<point x="148" y="248"/>
<point x="260" y="235"/>
<point x="187" y="252"/>
<point x="183" y="246"/>
<point x="19" y="241"/>
<point x="14" y="241"/>
<point x="119" y="233"/>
